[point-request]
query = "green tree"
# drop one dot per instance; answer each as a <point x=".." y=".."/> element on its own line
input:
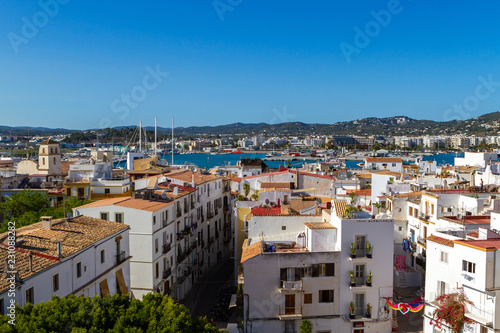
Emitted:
<point x="306" y="326"/>
<point x="246" y="189"/>
<point x="154" y="313"/>
<point x="26" y="207"/>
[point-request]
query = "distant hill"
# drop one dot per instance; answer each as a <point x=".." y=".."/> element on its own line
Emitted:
<point x="487" y="124"/>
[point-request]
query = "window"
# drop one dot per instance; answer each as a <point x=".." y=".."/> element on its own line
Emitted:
<point x="30" y="295"/>
<point x="393" y="164"/>
<point x="2" y="304"/>
<point x="103" y="257"/>
<point x="156" y="245"/>
<point x="78" y="269"/>
<point x="283" y="227"/>
<point x="359" y="304"/>
<point x="119" y="217"/>
<point x="410" y="211"/>
<point x="326" y="296"/>
<point x="360" y="274"/>
<point x="415" y="212"/>
<point x="432" y="209"/>
<point x="468" y="266"/>
<point x="308" y="272"/>
<point x="326" y="269"/>
<point x="104" y="216"/>
<point x="55" y="282"/>
<point x="308" y="298"/>
<point x="106" y="191"/>
<point x="154" y="220"/>
<point x="157" y="270"/>
<point x="444" y="257"/>
<point x="441" y="288"/>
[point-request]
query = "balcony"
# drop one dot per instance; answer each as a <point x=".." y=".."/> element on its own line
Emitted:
<point x="480" y="315"/>
<point x="227" y="238"/>
<point x="211" y="240"/>
<point x="193" y="245"/>
<point x="164" y="223"/>
<point x="180" y="236"/>
<point x="210" y="215"/>
<point x="422" y="241"/>
<point x="420" y="262"/>
<point x="288" y="287"/>
<point x="119" y="258"/>
<point x="181" y="256"/>
<point x="290" y="312"/>
<point x="166" y="248"/>
<point x="166" y="273"/>
<point x="179" y="213"/>
<point x="227" y="226"/>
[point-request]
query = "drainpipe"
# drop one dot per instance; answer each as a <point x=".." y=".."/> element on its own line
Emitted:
<point x="245" y="314"/>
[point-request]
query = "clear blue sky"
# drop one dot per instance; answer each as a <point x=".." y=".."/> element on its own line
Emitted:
<point x="262" y="56"/>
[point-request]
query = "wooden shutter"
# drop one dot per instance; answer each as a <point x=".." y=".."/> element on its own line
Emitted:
<point x="121" y="282"/>
<point x="315" y="271"/>
<point x="104" y="288"/>
<point x="299" y="274"/>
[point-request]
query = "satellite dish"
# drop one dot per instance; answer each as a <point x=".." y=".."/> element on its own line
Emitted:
<point x="163" y="195"/>
<point x="267" y="201"/>
<point x="459" y="216"/>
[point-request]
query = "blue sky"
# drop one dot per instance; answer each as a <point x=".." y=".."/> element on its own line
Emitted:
<point x="245" y="61"/>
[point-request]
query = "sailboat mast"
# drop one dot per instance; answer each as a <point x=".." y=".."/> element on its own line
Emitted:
<point x="140" y="136"/>
<point x="172" y="140"/>
<point x="156" y="131"/>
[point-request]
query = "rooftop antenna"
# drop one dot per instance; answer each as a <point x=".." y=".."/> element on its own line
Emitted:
<point x="140" y="136"/>
<point x="172" y="140"/>
<point x="156" y="150"/>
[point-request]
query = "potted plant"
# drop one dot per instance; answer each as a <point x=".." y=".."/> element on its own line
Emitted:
<point x="353" y="250"/>
<point x="369" y="279"/>
<point x="353" y="278"/>
<point x="368" y="310"/>
<point x="369" y="249"/>
<point x="351" y="310"/>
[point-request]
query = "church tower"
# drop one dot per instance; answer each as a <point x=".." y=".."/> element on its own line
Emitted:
<point x="49" y="158"/>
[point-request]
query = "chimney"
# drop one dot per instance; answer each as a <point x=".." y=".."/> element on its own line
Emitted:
<point x="5" y="268"/>
<point x="193" y="184"/>
<point x="47" y="222"/>
<point x="30" y="258"/>
<point x="176" y="190"/>
<point x="59" y="250"/>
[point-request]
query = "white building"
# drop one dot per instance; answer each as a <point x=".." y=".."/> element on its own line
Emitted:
<point x="468" y="266"/>
<point x="476" y="159"/>
<point x="308" y="274"/>
<point x="384" y="163"/>
<point x="82" y="256"/>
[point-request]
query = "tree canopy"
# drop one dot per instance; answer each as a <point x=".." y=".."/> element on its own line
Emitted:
<point x="154" y="313"/>
<point x="26" y="207"/>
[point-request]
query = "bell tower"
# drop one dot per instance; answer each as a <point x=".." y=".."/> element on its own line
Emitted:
<point x="49" y="158"/>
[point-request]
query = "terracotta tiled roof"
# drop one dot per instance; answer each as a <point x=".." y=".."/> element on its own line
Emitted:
<point x="75" y="235"/>
<point x="267" y="174"/>
<point x="274" y="185"/>
<point x="236" y="179"/>
<point x="319" y="225"/>
<point x="363" y="192"/>
<point x="65" y="167"/>
<point x="474" y="234"/>
<point x="140" y="204"/>
<point x="483" y="245"/>
<point x="387" y="173"/>
<point x="250" y="251"/>
<point x="314" y="175"/>
<point x="384" y="159"/>
<point x="364" y="175"/>
<point x="441" y="240"/>
<point x="266" y="210"/>
<point x="49" y="142"/>
<point x="409" y="194"/>
<point x="187" y="176"/>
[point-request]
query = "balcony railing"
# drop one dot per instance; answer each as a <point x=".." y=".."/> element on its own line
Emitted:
<point x="179" y="213"/>
<point x="193" y="245"/>
<point x="211" y="240"/>
<point x="164" y="223"/>
<point x="421" y="240"/>
<point x="227" y="226"/>
<point x="290" y="286"/>
<point x="290" y="312"/>
<point x="166" y="273"/>
<point x="227" y="238"/>
<point x="479" y="314"/>
<point x="180" y="236"/>
<point x="120" y="258"/>
<point x="420" y="262"/>
<point x="166" y="248"/>
<point x="210" y="215"/>
<point x="216" y="234"/>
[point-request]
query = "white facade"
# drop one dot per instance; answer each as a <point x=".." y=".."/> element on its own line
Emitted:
<point x="476" y="159"/>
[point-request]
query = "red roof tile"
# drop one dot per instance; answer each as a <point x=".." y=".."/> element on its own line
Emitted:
<point x="441" y="240"/>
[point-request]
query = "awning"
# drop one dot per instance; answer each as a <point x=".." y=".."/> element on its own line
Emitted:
<point x="232" y="303"/>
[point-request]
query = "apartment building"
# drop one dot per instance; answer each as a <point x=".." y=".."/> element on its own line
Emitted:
<point x="333" y="271"/>
<point x="179" y="232"/>
<point x="84" y="256"/>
